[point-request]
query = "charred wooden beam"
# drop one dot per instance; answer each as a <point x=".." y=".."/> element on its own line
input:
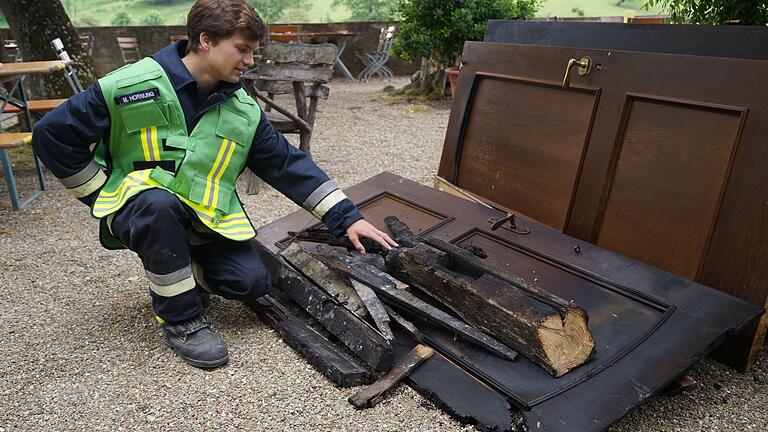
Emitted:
<point x="321" y="353"/>
<point x="374" y="393"/>
<point x="356" y="334"/>
<point x="357" y="269"/>
<point x="549" y="331"/>
<point x="402" y="298"/>
<point x="332" y="282"/>
<point x="375" y="308"/>
<point x="400" y="232"/>
<point x="318" y="235"/>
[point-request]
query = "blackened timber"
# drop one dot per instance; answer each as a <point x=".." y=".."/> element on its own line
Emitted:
<point x="374" y="393"/>
<point x="357" y="269"/>
<point x="473" y="264"/>
<point x="332" y="282"/>
<point x="400" y="231"/>
<point x="551" y="332"/>
<point x="318" y="235"/>
<point x="321" y="353"/>
<point x="357" y="335"/>
<point x="402" y="298"/>
<point x="375" y="308"/>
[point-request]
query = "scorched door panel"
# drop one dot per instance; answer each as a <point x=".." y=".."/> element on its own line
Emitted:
<point x="649" y="325"/>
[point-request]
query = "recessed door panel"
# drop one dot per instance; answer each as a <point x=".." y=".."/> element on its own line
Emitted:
<point x="671" y="166"/>
<point x="523" y="144"/>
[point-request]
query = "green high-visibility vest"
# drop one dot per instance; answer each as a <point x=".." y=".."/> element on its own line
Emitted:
<point x="149" y="147"/>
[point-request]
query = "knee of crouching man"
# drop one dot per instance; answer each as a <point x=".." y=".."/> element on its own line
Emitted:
<point x="259" y="283"/>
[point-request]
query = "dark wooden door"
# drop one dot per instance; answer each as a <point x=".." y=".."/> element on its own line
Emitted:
<point x="649" y="325"/>
<point x="657" y="157"/>
<point x="748" y="42"/>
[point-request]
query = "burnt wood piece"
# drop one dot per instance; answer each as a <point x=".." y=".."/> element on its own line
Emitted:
<point x="405" y="237"/>
<point x="402" y="298"/>
<point x="357" y="269"/>
<point x="375" y="308"/>
<point x="401" y="233"/>
<point x="356" y="334"/>
<point x="549" y="331"/>
<point x="318" y="235"/>
<point x="321" y="353"/>
<point x="374" y="393"/>
<point x="332" y="282"/>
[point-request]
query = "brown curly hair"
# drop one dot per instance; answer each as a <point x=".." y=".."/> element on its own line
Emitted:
<point x="220" y="19"/>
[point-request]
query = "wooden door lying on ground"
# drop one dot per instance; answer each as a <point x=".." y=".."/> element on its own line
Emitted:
<point x="657" y="157"/>
<point x="649" y="325"/>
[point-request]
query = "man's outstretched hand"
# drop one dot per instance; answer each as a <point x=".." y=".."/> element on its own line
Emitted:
<point x="362" y="228"/>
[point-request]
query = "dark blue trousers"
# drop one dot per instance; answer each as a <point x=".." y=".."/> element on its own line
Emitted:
<point x="159" y="228"/>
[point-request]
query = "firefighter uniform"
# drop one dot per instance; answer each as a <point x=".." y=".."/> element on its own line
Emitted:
<point x="161" y="177"/>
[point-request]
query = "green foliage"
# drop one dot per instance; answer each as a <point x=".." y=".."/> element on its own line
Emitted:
<point x="368" y="10"/>
<point x="122" y="18"/>
<point x="154" y="18"/>
<point x="437" y="29"/>
<point x="84" y="20"/>
<point x="272" y="10"/>
<point x="748" y="12"/>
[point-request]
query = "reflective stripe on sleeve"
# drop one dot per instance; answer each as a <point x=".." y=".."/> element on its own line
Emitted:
<point x="91" y="186"/>
<point x="172" y="284"/>
<point x="328" y="202"/>
<point x="83" y="176"/>
<point x="318" y="194"/>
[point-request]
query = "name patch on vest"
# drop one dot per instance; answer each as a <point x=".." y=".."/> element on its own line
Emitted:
<point x="138" y="96"/>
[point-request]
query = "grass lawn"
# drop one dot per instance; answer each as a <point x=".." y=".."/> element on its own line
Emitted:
<point x="102" y="11"/>
<point x="593" y="8"/>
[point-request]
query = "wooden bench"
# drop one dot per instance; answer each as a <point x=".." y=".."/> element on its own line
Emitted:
<point x="42" y="105"/>
<point x="9" y="141"/>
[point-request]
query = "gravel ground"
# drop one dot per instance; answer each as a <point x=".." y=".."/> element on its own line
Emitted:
<point x="79" y="348"/>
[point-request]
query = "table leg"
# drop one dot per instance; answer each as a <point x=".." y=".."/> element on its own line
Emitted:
<point x="9" y="181"/>
<point x="342" y="44"/>
<point x="38" y="167"/>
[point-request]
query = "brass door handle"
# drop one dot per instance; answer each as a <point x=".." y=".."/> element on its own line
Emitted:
<point x="585" y="67"/>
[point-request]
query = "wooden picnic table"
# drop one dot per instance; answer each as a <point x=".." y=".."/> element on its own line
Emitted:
<point x="341" y="43"/>
<point x="9" y="71"/>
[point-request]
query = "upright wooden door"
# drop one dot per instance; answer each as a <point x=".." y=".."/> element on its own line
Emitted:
<point x="657" y="157"/>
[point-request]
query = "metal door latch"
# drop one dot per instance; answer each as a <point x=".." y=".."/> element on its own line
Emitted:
<point x="585" y="67"/>
<point x="499" y="223"/>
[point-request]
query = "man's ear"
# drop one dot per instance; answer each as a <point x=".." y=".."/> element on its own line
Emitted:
<point x="205" y="41"/>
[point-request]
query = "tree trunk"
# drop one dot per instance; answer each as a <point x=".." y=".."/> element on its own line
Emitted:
<point x="428" y="83"/>
<point x="34" y="24"/>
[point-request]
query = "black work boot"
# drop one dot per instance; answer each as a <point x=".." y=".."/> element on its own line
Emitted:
<point x="195" y="342"/>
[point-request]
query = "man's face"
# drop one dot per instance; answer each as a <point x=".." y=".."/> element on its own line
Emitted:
<point x="230" y="57"/>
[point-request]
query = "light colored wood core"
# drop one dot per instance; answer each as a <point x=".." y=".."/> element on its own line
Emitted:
<point x="567" y="342"/>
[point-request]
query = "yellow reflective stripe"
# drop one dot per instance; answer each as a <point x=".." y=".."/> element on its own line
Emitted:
<point x="136" y="178"/>
<point x="217" y="177"/>
<point x="127" y="184"/>
<point x="144" y="144"/>
<point x="328" y="202"/>
<point x="155" y="144"/>
<point x="90" y="186"/>
<point x="208" y="183"/>
<point x="211" y="195"/>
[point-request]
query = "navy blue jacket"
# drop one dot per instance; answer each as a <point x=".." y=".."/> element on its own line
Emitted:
<point x="62" y="139"/>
